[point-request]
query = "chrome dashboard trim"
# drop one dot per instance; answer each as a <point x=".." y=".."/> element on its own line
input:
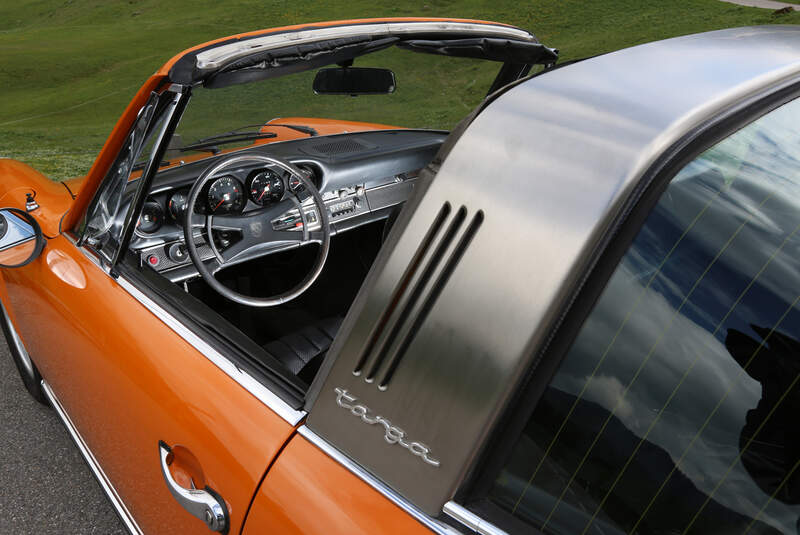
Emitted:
<point x="431" y="523"/>
<point x="124" y="514"/>
<point x="219" y="56"/>
<point x="245" y="380"/>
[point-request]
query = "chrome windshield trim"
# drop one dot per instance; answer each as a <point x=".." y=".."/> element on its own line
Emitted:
<point x="259" y="391"/>
<point x="431" y="523"/>
<point x="217" y="57"/>
<point x="471" y="520"/>
<point x="123" y="512"/>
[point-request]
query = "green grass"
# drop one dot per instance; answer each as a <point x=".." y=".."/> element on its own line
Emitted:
<point x="69" y="67"/>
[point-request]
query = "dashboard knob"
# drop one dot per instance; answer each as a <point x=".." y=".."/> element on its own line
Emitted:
<point x="177" y="253"/>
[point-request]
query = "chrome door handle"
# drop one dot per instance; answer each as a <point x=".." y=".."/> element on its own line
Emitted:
<point x="204" y="504"/>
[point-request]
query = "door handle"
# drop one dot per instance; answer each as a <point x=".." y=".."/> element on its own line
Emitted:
<point x="204" y="504"/>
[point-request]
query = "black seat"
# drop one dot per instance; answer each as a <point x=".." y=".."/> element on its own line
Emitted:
<point x="303" y="351"/>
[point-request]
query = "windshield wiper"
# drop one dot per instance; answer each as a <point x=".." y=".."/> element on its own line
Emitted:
<point x="210" y="143"/>
<point x="300" y="128"/>
<point x="141" y="165"/>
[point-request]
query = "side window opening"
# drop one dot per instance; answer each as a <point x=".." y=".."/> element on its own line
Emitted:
<point x="674" y="411"/>
<point x="101" y="227"/>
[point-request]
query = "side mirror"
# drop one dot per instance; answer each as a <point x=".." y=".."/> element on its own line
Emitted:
<point x="21" y="238"/>
<point x="354" y="81"/>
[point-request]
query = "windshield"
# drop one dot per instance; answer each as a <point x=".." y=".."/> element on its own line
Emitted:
<point x="432" y="92"/>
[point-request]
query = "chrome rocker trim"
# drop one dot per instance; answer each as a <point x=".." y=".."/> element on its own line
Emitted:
<point x="18" y="345"/>
<point x="431" y="523"/>
<point x="105" y="484"/>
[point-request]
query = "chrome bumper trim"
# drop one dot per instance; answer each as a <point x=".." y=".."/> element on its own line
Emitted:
<point x="431" y="523"/>
<point x="105" y="484"/>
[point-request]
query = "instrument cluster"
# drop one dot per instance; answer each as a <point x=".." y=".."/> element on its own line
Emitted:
<point x="227" y="194"/>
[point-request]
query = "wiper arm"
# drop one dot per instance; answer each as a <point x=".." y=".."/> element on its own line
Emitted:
<point x="211" y="142"/>
<point x="300" y="128"/>
<point x="141" y="165"/>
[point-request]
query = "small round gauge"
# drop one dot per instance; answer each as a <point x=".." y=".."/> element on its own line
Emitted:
<point x="151" y="219"/>
<point x="177" y="205"/>
<point x="226" y="196"/>
<point x="294" y="183"/>
<point x="265" y="186"/>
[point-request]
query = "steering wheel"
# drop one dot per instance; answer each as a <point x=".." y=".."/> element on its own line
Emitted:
<point x="258" y="237"/>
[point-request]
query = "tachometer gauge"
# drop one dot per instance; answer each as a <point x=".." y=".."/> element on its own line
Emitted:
<point x="265" y="186"/>
<point x="226" y="196"/>
<point x="151" y="219"/>
<point x="177" y="205"/>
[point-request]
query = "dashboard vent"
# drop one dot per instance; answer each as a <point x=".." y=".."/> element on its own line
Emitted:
<point x="341" y="146"/>
<point x="412" y="299"/>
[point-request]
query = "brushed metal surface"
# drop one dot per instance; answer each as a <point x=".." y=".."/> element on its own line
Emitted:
<point x="549" y="163"/>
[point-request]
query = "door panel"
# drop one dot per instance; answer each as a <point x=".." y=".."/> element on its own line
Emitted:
<point x="308" y="493"/>
<point x="127" y="381"/>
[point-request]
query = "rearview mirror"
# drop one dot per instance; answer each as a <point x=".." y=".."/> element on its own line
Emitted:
<point x="354" y="81"/>
<point x="21" y="239"/>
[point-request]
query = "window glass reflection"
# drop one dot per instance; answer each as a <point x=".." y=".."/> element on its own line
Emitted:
<point x="674" y="411"/>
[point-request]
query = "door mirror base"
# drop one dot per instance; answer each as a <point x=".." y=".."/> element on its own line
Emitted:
<point x="21" y="238"/>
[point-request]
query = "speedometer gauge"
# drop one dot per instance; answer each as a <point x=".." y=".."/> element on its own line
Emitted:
<point x="226" y="196"/>
<point x="265" y="186"/>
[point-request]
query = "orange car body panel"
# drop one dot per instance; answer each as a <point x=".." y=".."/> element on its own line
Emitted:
<point x="324" y="127"/>
<point x="53" y="198"/>
<point x="125" y="391"/>
<point x="308" y="493"/>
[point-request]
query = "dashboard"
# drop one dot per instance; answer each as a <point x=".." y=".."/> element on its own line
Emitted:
<point x="361" y="177"/>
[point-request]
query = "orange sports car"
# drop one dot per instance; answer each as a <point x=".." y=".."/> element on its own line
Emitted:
<point x="317" y="283"/>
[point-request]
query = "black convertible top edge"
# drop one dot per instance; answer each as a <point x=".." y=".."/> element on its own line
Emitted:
<point x="185" y="70"/>
<point x="489" y="48"/>
<point x="294" y="58"/>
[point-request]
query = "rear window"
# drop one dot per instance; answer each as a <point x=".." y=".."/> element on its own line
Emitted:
<point x="676" y="409"/>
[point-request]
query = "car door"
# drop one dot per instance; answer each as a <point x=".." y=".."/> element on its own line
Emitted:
<point x="140" y="391"/>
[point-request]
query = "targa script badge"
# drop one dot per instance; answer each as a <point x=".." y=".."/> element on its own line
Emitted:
<point x="392" y="434"/>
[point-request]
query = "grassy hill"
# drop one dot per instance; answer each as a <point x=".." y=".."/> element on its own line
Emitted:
<point x="69" y="67"/>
